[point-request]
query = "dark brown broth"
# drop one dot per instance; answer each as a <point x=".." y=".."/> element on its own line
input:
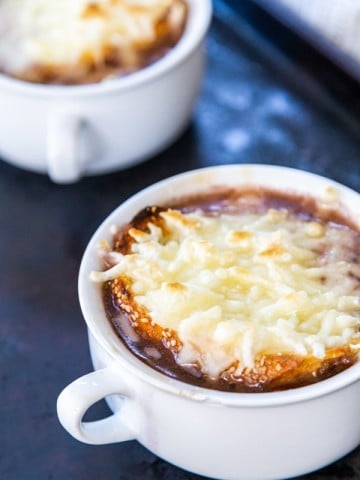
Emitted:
<point x="89" y="70"/>
<point x="229" y="201"/>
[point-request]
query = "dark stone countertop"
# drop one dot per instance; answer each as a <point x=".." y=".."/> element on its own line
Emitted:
<point x="253" y="108"/>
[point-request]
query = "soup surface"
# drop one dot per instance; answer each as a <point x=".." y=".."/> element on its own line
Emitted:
<point x="243" y="291"/>
<point x="85" y="41"/>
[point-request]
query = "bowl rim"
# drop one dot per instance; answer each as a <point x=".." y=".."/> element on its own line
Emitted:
<point x="198" y="21"/>
<point x="123" y="358"/>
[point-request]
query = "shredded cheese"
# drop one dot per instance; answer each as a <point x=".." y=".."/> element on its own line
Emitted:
<point x="234" y="287"/>
<point x="40" y="33"/>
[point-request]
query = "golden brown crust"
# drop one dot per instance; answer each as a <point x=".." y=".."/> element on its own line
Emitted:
<point x="271" y="372"/>
<point x="113" y="61"/>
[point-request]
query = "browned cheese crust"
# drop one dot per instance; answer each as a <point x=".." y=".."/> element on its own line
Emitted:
<point x="113" y="64"/>
<point x="271" y="372"/>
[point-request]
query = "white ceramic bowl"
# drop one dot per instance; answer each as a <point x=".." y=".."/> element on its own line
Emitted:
<point x="69" y="131"/>
<point x="229" y="436"/>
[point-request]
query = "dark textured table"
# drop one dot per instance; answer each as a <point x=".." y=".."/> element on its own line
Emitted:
<point x="255" y="107"/>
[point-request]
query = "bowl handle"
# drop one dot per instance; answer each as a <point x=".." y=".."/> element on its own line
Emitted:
<point x="80" y="395"/>
<point x="69" y="147"/>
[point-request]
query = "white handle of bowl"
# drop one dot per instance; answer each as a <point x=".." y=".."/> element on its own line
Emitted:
<point x="80" y="395"/>
<point x="68" y="147"/>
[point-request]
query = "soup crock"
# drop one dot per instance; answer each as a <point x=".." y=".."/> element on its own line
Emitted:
<point x="228" y="436"/>
<point x="71" y="131"/>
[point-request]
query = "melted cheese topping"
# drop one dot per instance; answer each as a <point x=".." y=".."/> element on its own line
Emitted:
<point x="41" y="33"/>
<point x="236" y="287"/>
